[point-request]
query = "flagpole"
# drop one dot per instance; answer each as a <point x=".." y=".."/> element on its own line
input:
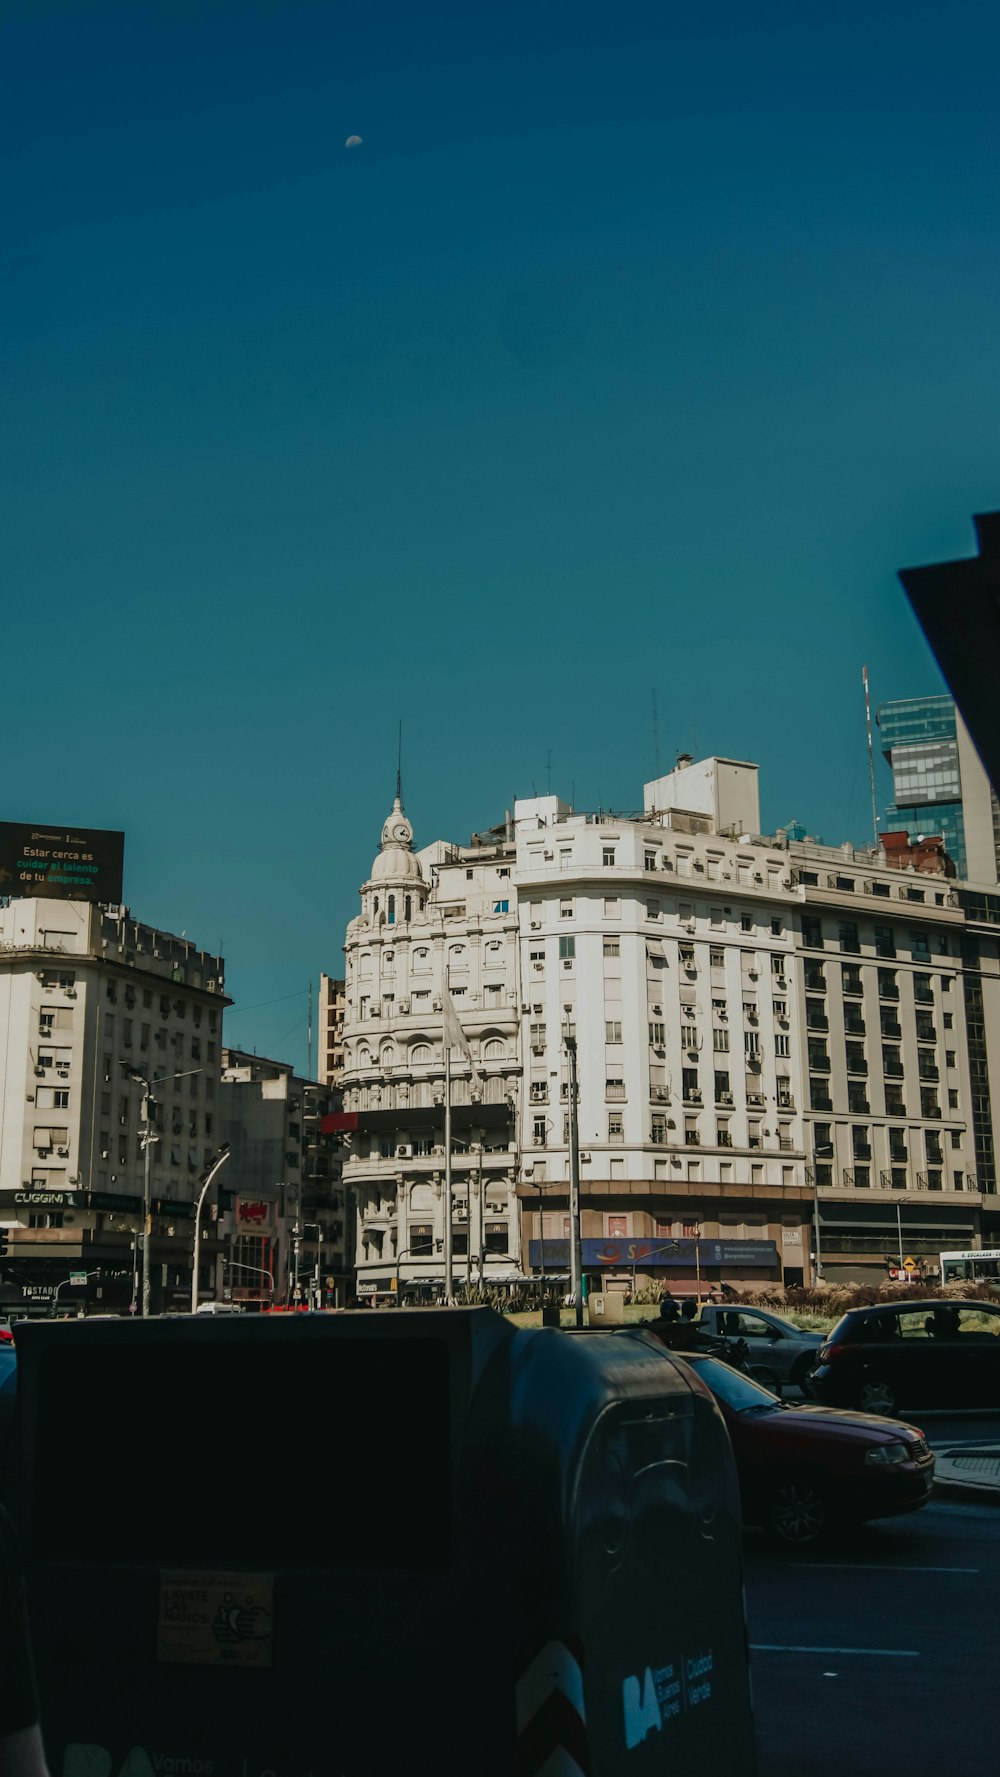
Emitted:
<point x="449" y="1290"/>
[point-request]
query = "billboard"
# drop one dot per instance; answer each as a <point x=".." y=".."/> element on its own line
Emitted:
<point x="64" y="863"/>
<point x="649" y="1253"/>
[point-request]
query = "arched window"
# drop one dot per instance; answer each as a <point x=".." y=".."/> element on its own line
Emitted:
<point x="408" y="907"/>
<point x="364" y="1056"/>
<point x="420" y="1052"/>
<point x="495" y="1049"/>
<point x="387" y="1054"/>
<point x="392" y="910"/>
<point x="376" y="904"/>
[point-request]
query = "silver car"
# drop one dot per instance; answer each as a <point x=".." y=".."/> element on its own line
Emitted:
<point x="778" y="1351"/>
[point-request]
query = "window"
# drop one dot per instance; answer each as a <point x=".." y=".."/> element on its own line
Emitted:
<point x="717" y="959"/>
<point x="567" y="949"/>
<point x="565" y="910"/>
<point x="616" y="1126"/>
<point x="612" y="907"/>
<point x="649" y="860"/>
<point x="948" y="1020"/>
<point x="888" y="988"/>
<point x="723" y="1093"/>
<point x="658" y="1128"/>
<point x="608" y="857"/>
<point x="851" y="980"/>
<point x="538" y="1131"/>
<point x="952" y="1098"/>
<point x="857" y="1096"/>
<point x="819" y="1059"/>
<point x="537" y="1034"/>
<point x="652" y="909"/>
<point x="751" y="1042"/>
<point x="614" y="1086"/>
<point x="746" y="922"/>
<point x="689" y="1082"/>
<point x="501" y="906"/>
<point x="612" y="947"/>
<point x="720" y="1041"/>
<point x="782" y="1044"/>
<point x="856" y="1063"/>
<point x="781" y="1008"/>
<point x="920" y="946"/>
<point x="812" y="932"/>
<point x="885" y="944"/>
<point x="656" y="1034"/>
<point x="613" y="1030"/>
<point x="777" y="927"/>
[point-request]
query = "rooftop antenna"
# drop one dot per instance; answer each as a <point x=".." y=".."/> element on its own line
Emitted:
<point x="399" y="764"/>
<point x="548" y="769"/>
<point x="656" y="736"/>
<point x="871" y="755"/>
<point x="309" y="1036"/>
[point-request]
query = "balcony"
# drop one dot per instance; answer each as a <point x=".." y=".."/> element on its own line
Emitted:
<point x="928" y="1070"/>
<point x="893" y="1070"/>
<point x="692" y="1139"/>
<point x="924" y="996"/>
<point x="854" y="1026"/>
<point x="891" y="1030"/>
<point x="926" y="1033"/>
<point x="853" y="987"/>
<point x="862" y="1152"/>
<point x="856" y="1064"/>
<point x="819" y="1064"/>
<point x="888" y="990"/>
<point x="816" y="1020"/>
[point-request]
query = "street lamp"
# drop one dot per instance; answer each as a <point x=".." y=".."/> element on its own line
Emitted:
<point x="148" y="1139"/>
<point x="215" y="1167"/>
<point x="258" y="1271"/>
<point x="575" y="1242"/>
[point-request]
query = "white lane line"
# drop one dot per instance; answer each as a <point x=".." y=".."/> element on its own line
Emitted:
<point x="876" y="1567"/>
<point x="888" y="1653"/>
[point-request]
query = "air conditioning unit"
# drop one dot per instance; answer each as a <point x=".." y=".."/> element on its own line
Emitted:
<point x="436" y="1005"/>
<point x="525" y="1006"/>
<point x="538" y="1048"/>
<point x="694" y="1096"/>
<point x="404" y="1005"/>
<point x="661" y="1094"/>
<point x="689" y="925"/>
<point x="63" y="1073"/>
<point x="461" y="1215"/>
<point x="698" y="864"/>
<point x="725" y="1098"/>
<point x="40" y="1071"/>
<point x="757" y="876"/>
<point x="63" y="1153"/>
<point x="70" y="993"/>
<point x="536" y="925"/>
<point x="659" y="1011"/>
<point x="753" y="973"/>
<point x="548" y="854"/>
<point x="404" y="1151"/>
<point x="755" y="1098"/>
<point x="781" y="981"/>
<point x="536" y="1009"/>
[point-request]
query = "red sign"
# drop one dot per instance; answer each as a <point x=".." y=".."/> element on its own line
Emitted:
<point x="255" y="1210"/>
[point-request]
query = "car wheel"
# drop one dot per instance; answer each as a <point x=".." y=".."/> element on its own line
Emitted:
<point x="797" y="1512"/>
<point x="877" y="1396"/>
<point x="802" y="1370"/>
<point x="766" y="1378"/>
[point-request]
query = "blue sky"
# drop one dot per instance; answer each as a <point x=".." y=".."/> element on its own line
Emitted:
<point x="637" y="347"/>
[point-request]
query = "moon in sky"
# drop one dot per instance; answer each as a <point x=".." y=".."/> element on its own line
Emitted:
<point x="353" y="142"/>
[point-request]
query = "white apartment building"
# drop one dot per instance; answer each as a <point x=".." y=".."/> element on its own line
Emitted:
<point x="445" y="913"/>
<point x="719" y="1116"/>
<point x="86" y="992"/>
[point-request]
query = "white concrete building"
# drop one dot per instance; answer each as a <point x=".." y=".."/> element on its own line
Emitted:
<point x="447" y="912"/>
<point x="715" y="1104"/>
<point x="86" y="992"/>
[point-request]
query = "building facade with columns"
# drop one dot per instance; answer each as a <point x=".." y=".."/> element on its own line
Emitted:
<point x="446" y="913"/>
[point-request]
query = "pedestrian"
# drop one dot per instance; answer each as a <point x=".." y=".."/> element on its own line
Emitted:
<point x="670" y="1309"/>
<point x="21" y="1751"/>
<point x="689" y="1310"/>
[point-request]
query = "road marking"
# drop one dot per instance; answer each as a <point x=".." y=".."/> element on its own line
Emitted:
<point x="875" y="1567"/>
<point x="888" y="1653"/>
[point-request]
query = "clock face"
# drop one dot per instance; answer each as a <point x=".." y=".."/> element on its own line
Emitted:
<point x="401" y="832"/>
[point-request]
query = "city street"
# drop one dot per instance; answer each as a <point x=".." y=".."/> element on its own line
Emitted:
<point x="878" y="1654"/>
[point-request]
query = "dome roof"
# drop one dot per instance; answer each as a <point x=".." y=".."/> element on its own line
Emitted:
<point x="396" y="861"/>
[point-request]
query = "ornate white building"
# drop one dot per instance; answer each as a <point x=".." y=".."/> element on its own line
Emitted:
<point x="444" y="913"/>
<point x="738" y="1088"/>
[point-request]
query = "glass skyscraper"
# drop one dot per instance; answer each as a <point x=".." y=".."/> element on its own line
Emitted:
<point x="939" y="785"/>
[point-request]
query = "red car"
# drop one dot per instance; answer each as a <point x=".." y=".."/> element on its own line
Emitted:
<point x="805" y="1470"/>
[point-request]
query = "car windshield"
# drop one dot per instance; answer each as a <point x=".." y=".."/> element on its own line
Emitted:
<point x="738" y="1392"/>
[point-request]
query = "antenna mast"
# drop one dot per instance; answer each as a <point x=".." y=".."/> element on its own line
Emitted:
<point x="399" y="763"/>
<point x="871" y="755"/>
<point x="656" y="736"/>
<point x="309" y="1035"/>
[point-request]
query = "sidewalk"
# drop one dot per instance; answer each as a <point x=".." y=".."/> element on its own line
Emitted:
<point x="969" y="1472"/>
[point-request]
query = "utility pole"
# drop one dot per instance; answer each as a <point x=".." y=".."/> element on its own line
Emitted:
<point x="147" y="1201"/>
<point x="449" y="1281"/>
<point x="575" y="1243"/>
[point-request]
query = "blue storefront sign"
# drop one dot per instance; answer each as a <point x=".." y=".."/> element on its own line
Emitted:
<point x="646" y="1254"/>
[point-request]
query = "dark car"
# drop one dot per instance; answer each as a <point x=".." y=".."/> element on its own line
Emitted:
<point x="912" y="1354"/>
<point x="778" y="1351"/>
<point x="806" y="1470"/>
